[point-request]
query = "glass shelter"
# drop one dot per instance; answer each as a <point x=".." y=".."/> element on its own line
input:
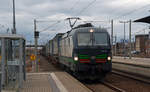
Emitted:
<point x="12" y="61"/>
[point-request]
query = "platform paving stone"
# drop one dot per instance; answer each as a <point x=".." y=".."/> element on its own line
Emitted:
<point x="37" y="82"/>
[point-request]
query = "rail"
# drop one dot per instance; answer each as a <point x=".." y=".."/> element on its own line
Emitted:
<point x="132" y="76"/>
<point x="108" y="86"/>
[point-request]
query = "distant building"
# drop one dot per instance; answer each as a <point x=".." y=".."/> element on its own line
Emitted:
<point x="140" y="42"/>
<point x="120" y="48"/>
<point x="148" y="48"/>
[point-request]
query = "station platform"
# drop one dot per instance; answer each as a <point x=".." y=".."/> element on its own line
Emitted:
<point x="135" y="66"/>
<point x="134" y="61"/>
<point x="52" y="82"/>
<point x="37" y="82"/>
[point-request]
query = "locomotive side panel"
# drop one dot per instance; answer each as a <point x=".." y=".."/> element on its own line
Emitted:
<point x="55" y="43"/>
<point x="66" y="50"/>
<point x="51" y="47"/>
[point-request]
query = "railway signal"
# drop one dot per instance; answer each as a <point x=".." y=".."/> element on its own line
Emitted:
<point x="36" y="36"/>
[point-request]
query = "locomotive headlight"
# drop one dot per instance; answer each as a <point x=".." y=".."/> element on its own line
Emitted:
<point x="76" y="58"/>
<point x="109" y="58"/>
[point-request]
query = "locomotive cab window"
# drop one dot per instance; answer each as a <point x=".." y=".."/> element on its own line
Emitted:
<point x="100" y="39"/>
<point x="84" y="39"/>
<point x="95" y="39"/>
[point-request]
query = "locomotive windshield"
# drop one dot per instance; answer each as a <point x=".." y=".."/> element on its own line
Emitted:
<point x="100" y="39"/>
<point x="95" y="39"/>
<point x="84" y="39"/>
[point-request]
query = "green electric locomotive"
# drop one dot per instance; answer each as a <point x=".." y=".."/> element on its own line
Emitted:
<point x="86" y="52"/>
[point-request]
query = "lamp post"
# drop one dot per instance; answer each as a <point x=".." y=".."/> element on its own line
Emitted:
<point x="112" y="29"/>
<point x="130" y="45"/>
<point x="36" y="36"/>
<point x="124" y="22"/>
<point x="14" y="19"/>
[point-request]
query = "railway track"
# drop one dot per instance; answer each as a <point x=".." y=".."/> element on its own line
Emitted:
<point x="116" y="82"/>
<point x="113" y="87"/>
<point x="127" y="82"/>
<point x="132" y="76"/>
<point x="119" y="81"/>
<point x="104" y="87"/>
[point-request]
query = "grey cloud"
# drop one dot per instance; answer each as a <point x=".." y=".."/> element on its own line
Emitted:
<point x="28" y="10"/>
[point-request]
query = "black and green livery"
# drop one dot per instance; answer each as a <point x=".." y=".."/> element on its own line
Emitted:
<point x="86" y="51"/>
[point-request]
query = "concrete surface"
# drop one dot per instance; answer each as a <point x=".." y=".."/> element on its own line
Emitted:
<point x="136" y="61"/>
<point x="37" y="82"/>
<point x="139" y="66"/>
<point x="66" y="83"/>
<point x="52" y="82"/>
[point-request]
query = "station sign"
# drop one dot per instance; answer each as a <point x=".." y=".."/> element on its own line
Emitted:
<point x="32" y="57"/>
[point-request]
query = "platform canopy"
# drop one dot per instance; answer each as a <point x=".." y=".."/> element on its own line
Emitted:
<point x="144" y="20"/>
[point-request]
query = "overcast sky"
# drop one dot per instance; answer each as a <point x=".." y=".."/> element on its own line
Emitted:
<point x="87" y="10"/>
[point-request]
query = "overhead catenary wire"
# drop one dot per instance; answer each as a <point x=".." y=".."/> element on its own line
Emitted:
<point x="132" y="11"/>
<point x="89" y="6"/>
<point x="115" y="10"/>
<point x="141" y="30"/>
<point x="86" y="7"/>
<point x="50" y="26"/>
<point x="96" y="21"/>
<point x="118" y="6"/>
<point x="72" y="8"/>
<point x="53" y="30"/>
<point x="42" y="21"/>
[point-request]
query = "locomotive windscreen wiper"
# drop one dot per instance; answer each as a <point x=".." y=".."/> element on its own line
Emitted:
<point x="90" y="41"/>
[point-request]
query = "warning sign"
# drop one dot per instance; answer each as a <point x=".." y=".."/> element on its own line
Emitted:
<point x="32" y="57"/>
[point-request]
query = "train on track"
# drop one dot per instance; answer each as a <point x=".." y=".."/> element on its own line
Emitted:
<point x="85" y="51"/>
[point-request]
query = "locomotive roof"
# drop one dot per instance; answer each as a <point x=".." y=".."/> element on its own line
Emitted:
<point x="84" y="29"/>
<point x="84" y="25"/>
<point x="58" y="35"/>
<point x="87" y="29"/>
